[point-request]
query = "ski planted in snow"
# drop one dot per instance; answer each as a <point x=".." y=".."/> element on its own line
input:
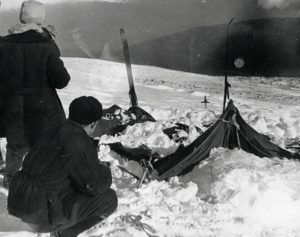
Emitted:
<point x="132" y="94"/>
<point x="226" y="84"/>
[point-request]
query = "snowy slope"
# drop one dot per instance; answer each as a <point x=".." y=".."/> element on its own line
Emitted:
<point x="233" y="193"/>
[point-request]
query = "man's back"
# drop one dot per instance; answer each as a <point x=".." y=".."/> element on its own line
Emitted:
<point x="24" y="59"/>
<point x="31" y="70"/>
<point x="53" y="172"/>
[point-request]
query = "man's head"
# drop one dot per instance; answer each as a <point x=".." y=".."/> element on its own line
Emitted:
<point x="86" y="111"/>
<point x="32" y="12"/>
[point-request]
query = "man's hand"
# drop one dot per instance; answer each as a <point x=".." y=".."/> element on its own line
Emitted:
<point x="106" y="163"/>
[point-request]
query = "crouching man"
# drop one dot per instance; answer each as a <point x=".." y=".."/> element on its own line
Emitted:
<point x="62" y="187"/>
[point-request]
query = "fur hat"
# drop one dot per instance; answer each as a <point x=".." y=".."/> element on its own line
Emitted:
<point x="32" y="12"/>
<point x="85" y="110"/>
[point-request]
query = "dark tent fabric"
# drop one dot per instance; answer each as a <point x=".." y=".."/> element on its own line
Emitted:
<point x="136" y="154"/>
<point x="230" y="131"/>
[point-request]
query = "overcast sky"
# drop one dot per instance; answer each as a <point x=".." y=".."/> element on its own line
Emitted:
<point x="15" y="4"/>
<point x="267" y="4"/>
<point x="277" y="3"/>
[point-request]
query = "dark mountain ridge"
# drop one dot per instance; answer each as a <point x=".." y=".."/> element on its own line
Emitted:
<point x="186" y="35"/>
<point x="259" y="47"/>
<point x="84" y="28"/>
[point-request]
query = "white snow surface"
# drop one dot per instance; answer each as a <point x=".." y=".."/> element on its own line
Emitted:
<point x="232" y="193"/>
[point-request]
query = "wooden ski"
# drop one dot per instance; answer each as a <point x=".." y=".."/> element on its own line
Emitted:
<point x="132" y="94"/>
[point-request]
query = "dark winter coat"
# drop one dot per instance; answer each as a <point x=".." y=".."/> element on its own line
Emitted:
<point x="53" y="173"/>
<point x="30" y="71"/>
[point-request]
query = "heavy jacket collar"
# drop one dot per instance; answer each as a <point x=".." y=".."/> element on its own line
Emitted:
<point x="76" y="125"/>
<point x="30" y="36"/>
<point x="21" y="28"/>
<point x="31" y="32"/>
<point x="71" y="124"/>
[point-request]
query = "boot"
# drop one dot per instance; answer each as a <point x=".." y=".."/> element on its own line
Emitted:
<point x="1" y="158"/>
<point x="55" y="234"/>
<point x="80" y="227"/>
<point x="2" y="162"/>
<point x="5" y="182"/>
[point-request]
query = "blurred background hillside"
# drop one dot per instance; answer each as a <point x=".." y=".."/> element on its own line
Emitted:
<point x="185" y="35"/>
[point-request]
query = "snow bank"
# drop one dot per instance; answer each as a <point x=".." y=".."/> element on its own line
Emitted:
<point x="231" y="194"/>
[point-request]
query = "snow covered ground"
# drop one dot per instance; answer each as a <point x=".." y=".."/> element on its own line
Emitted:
<point x="231" y="194"/>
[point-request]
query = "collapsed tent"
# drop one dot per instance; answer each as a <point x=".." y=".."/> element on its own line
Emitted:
<point x="229" y="131"/>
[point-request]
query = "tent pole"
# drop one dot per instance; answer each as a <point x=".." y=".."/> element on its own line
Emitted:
<point x="226" y="84"/>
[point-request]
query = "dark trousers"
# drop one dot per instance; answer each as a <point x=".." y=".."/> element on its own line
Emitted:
<point x="87" y="212"/>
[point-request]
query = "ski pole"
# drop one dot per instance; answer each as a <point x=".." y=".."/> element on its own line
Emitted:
<point x="226" y="84"/>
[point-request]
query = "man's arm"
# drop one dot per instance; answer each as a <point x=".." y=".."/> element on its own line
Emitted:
<point x="88" y="175"/>
<point x="57" y="74"/>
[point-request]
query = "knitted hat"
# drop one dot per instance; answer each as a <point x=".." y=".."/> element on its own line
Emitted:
<point x="85" y="110"/>
<point x="32" y="12"/>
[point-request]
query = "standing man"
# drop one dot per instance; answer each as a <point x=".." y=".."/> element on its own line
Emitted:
<point x="62" y="187"/>
<point x="2" y="163"/>
<point x="30" y="72"/>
